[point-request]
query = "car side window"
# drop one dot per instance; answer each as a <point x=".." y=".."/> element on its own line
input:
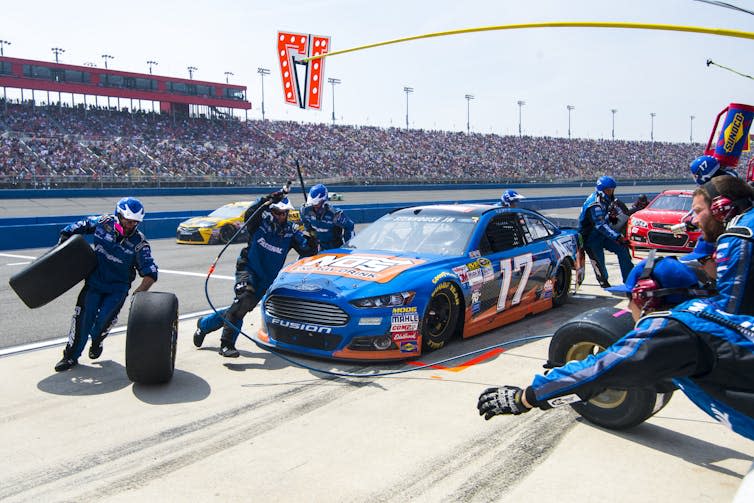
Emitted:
<point x="502" y="233"/>
<point x="537" y="227"/>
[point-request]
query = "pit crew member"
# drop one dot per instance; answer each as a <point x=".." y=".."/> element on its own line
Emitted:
<point x="121" y="251"/>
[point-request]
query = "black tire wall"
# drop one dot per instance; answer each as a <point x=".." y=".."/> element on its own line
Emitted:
<point x="151" y="337"/>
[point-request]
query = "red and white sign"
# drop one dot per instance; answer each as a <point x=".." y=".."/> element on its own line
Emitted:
<point x="305" y="89"/>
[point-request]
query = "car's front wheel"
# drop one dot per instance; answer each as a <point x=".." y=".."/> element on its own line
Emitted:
<point x="442" y="316"/>
<point x="226" y="233"/>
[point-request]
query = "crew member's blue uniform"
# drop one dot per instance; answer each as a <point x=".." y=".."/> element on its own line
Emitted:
<point x="599" y="236"/>
<point x="119" y="258"/>
<point x="735" y="266"/>
<point x="709" y="354"/>
<point x="329" y="225"/>
<point x="256" y="269"/>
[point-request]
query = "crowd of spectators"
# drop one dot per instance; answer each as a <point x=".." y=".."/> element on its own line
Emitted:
<point x="61" y="145"/>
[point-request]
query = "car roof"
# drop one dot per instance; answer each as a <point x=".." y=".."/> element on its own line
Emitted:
<point x="470" y="210"/>
<point x="676" y="192"/>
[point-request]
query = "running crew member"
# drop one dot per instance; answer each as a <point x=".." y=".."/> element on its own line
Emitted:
<point x="328" y="224"/>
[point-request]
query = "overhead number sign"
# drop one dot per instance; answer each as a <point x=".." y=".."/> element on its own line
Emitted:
<point x="302" y="80"/>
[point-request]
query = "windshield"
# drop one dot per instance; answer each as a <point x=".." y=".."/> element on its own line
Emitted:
<point x="228" y="211"/>
<point x="441" y="235"/>
<point x="674" y="203"/>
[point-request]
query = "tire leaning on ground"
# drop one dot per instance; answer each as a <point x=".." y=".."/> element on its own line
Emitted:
<point x="55" y="272"/>
<point x="152" y="337"/>
<point x="589" y="333"/>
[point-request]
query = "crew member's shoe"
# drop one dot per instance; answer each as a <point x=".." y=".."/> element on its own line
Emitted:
<point x="604" y="284"/>
<point x="198" y="336"/>
<point x="65" y="364"/>
<point x="229" y="351"/>
<point x="95" y="350"/>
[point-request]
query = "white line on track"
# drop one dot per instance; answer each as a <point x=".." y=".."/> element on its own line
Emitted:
<point x="187" y="273"/>
<point x="16" y="256"/>
<point x="56" y="342"/>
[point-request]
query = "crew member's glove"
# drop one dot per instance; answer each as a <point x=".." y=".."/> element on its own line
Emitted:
<point x="63" y="238"/>
<point x="622" y="240"/>
<point x="277" y="196"/>
<point x="503" y="400"/>
<point x="242" y="287"/>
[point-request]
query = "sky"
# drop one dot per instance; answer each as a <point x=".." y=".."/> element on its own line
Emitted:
<point x="636" y="72"/>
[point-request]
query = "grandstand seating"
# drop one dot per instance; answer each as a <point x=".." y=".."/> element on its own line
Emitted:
<point x="60" y="146"/>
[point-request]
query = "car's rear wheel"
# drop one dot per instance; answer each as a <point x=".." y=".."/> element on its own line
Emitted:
<point x="588" y="334"/>
<point x="441" y="318"/>
<point x="226" y="233"/>
<point x="562" y="285"/>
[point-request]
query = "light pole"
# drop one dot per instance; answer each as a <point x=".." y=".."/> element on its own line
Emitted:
<point x="105" y="57"/>
<point x="151" y="63"/>
<point x="57" y="51"/>
<point x="333" y="82"/>
<point x="652" y="129"/>
<point x="262" y="72"/>
<point x="520" y="104"/>
<point x="613" y="110"/>
<point x="569" y="107"/>
<point x="468" y="97"/>
<point x="227" y="77"/>
<point x="3" y="43"/>
<point x="191" y="70"/>
<point x="407" y="90"/>
<point x="691" y="129"/>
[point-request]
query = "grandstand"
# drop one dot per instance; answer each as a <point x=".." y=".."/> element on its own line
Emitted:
<point x="187" y="142"/>
<point x="56" y="147"/>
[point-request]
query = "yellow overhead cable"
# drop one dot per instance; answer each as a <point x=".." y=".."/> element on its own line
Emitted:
<point x="559" y="24"/>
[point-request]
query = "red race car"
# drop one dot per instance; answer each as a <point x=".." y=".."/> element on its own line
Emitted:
<point x="664" y="224"/>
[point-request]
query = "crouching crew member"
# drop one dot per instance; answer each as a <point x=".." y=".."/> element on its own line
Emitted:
<point x="271" y="237"/>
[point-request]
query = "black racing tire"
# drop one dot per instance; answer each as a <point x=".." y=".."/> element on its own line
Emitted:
<point x="589" y="333"/>
<point x="442" y="316"/>
<point x="55" y="272"/>
<point x="226" y="233"/>
<point x="152" y="337"/>
<point x="562" y="287"/>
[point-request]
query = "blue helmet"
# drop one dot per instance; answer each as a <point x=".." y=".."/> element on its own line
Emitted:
<point x="703" y="168"/>
<point x="318" y="194"/>
<point x="130" y="208"/>
<point x="606" y="182"/>
<point x="510" y="196"/>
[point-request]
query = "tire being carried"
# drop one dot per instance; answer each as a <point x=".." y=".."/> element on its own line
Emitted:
<point x="589" y="333"/>
<point x="55" y="272"/>
<point x="151" y="337"/>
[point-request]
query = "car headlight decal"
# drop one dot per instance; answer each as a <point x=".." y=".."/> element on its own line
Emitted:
<point x="390" y="300"/>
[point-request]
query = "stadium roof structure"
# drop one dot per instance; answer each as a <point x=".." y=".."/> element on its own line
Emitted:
<point x="174" y="94"/>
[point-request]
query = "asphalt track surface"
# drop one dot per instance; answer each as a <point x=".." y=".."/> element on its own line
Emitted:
<point x="258" y="428"/>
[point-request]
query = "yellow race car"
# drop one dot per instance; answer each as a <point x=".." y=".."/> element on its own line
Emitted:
<point x="219" y="226"/>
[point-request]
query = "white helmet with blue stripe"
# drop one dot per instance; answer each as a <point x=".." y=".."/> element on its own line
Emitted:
<point x="130" y="208"/>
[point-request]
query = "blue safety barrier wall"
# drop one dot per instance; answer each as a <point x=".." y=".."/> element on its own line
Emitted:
<point x="137" y="192"/>
<point x="39" y="232"/>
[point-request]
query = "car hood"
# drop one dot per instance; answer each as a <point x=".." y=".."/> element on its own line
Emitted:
<point x="200" y="222"/>
<point x="359" y="273"/>
<point x="660" y="216"/>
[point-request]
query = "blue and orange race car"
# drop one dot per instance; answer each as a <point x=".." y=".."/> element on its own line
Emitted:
<point x="419" y="276"/>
